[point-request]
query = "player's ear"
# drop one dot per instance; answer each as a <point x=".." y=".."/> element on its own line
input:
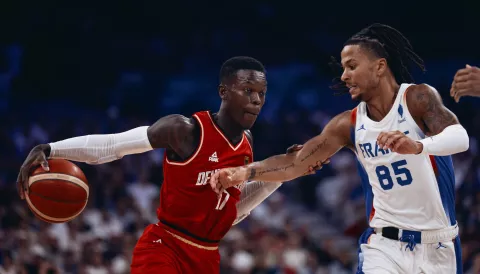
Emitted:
<point x="222" y="91"/>
<point x="381" y="66"/>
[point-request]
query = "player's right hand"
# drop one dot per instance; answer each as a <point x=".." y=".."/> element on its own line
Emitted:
<point x="35" y="158"/>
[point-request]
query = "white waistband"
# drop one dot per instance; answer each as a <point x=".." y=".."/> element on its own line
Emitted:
<point x="431" y="236"/>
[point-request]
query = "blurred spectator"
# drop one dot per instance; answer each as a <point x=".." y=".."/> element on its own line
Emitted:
<point x="144" y="192"/>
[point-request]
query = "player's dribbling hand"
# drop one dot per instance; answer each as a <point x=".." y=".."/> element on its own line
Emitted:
<point x="35" y="158"/>
<point x="311" y="169"/>
<point x="398" y="142"/>
<point x="466" y="83"/>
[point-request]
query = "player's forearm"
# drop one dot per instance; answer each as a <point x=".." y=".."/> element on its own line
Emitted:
<point x="98" y="149"/>
<point x="278" y="168"/>
<point x="453" y="139"/>
<point x="286" y="167"/>
<point x="253" y="194"/>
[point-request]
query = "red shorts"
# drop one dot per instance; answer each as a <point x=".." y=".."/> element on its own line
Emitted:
<point x="160" y="251"/>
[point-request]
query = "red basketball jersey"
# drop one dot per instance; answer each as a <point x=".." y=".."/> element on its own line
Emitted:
<point x="187" y="202"/>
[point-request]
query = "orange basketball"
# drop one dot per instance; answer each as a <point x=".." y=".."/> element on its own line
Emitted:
<point x="58" y="195"/>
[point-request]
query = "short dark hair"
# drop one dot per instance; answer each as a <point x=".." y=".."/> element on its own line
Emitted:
<point x="234" y="64"/>
<point x="386" y="42"/>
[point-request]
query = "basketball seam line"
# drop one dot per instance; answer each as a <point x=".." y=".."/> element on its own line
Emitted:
<point x="59" y="176"/>
<point x="55" y="179"/>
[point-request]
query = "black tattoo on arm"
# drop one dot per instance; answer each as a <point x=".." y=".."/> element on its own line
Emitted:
<point x="259" y="171"/>
<point x="273" y="169"/>
<point x="286" y="167"/>
<point x="429" y="107"/>
<point x="314" y="150"/>
<point x="253" y="172"/>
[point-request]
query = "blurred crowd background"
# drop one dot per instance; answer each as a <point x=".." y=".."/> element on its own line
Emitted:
<point x="67" y="71"/>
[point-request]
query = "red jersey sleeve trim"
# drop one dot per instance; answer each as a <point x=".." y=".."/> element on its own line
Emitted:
<point x="353" y="117"/>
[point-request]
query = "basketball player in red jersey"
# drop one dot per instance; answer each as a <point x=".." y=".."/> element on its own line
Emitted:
<point x="192" y="218"/>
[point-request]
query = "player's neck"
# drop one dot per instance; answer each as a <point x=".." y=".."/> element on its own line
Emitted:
<point x="229" y="127"/>
<point x="379" y="105"/>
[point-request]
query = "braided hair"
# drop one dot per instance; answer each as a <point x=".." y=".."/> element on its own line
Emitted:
<point x="384" y="42"/>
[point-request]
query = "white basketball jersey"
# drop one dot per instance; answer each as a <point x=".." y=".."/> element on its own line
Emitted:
<point x="414" y="192"/>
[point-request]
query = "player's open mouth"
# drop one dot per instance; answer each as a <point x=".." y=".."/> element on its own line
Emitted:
<point x="351" y="88"/>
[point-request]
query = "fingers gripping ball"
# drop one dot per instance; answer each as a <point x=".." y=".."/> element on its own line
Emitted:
<point x="58" y="195"/>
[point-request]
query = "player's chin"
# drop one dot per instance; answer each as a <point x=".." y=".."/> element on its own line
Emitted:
<point x="248" y="120"/>
<point x="248" y="125"/>
<point x="357" y="97"/>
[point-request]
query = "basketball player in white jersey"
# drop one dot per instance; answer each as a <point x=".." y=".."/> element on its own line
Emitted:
<point x="402" y="135"/>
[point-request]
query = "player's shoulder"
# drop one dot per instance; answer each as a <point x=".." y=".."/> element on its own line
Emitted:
<point x="179" y="121"/>
<point x="346" y="118"/>
<point x="420" y="97"/>
<point x="420" y="89"/>
<point x="341" y="125"/>
<point x="170" y="129"/>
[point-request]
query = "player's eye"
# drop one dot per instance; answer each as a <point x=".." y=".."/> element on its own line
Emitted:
<point x="261" y="93"/>
<point x="248" y="90"/>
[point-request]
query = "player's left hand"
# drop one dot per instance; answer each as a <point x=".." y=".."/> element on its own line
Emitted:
<point x="398" y="142"/>
<point x="466" y="83"/>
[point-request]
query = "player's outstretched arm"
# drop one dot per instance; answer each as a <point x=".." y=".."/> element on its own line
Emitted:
<point x="168" y="132"/>
<point x="255" y="192"/>
<point x="445" y="134"/>
<point x="285" y="167"/>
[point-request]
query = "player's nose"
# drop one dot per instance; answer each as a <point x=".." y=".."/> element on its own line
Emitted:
<point x="345" y="76"/>
<point x="255" y="98"/>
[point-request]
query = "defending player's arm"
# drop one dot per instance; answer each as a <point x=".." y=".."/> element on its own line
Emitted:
<point x="168" y="132"/>
<point x="286" y="167"/>
<point x="254" y="193"/>
<point x="445" y="134"/>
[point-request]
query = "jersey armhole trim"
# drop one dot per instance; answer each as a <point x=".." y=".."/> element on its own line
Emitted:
<point x="353" y="117"/>
<point x="186" y="162"/>
<point x="410" y="117"/>
<point x="353" y="125"/>
<point x="405" y="95"/>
